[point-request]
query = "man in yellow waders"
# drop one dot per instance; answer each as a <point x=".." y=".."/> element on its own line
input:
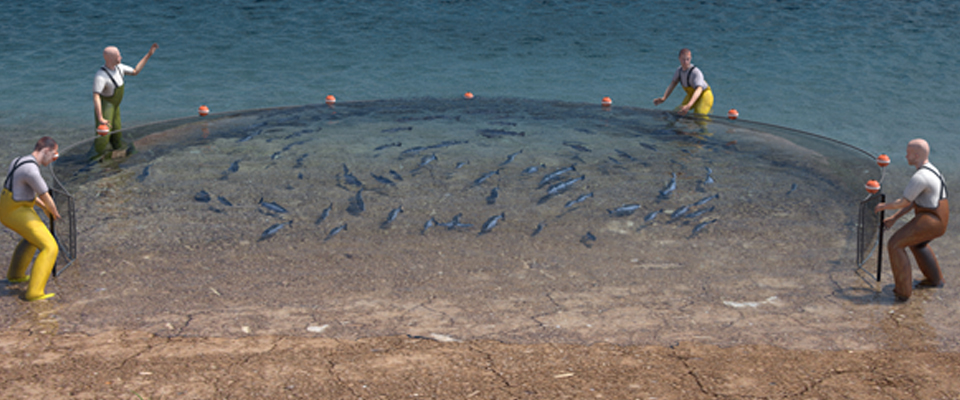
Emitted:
<point x="699" y="96"/>
<point x="23" y="189"/>
<point x="108" y="89"/>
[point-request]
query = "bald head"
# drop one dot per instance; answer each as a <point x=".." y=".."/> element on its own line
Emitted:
<point x="111" y="56"/>
<point x="918" y="152"/>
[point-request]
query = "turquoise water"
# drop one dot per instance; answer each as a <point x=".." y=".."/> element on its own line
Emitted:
<point x="870" y="74"/>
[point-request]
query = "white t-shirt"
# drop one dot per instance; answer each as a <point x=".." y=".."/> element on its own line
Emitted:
<point x="692" y="77"/>
<point x="924" y="187"/>
<point x="27" y="182"/>
<point x="102" y="83"/>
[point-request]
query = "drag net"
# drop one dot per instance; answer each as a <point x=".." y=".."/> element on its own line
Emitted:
<point x="868" y="227"/>
<point x="64" y="230"/>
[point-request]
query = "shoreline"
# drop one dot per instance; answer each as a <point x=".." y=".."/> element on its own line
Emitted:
<point x="135" y="364"/>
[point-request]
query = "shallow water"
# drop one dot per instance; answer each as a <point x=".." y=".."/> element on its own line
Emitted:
<point x="773" y="264"/>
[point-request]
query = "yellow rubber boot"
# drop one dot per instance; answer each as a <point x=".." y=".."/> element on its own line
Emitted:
<point x="20" y="262"/>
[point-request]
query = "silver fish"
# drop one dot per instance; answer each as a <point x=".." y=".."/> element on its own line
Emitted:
<point x="700" y="227"/>
<point x="224" y="201"/>
<point x="430" y="222"/>
<point x="335" y="231"/>
<point x="324" y="214"/>
<point x="202" y="196"/>
<point x="143" y="175"/>
<point x="491" y="223"/>
<point x="540" y="227"/>
<point x="553" y="190"/>
<point x="533" y="169"/>
<point x="624" y="210"/>
<point x="555" y="174"/>
<point x="705" y="200"/>
<point x="391" y="217"/>
<point x="670" y="187"/>
<point x="396" y="175"/>
<point x="679" y="212"/>
<point x="349" y="178"/>
<point x="652" y="215"/>
<point x="510" y="158"/>
<point x="494" y="193"/>
<point x="485" y="176"/>
<point x="793" y="188"/>
<point x="382" y="179"/>
<point x="356" y="206"/>
<point x="428" y="159"/>
<point x="578" y="200"/>
<point x="588" y="239"/>
<point x="273" y="230"/>
<point x="272" y="206"/>
<point x="700" y="212"/>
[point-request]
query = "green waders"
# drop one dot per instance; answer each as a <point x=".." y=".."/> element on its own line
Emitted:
<point x="110" y="107"/>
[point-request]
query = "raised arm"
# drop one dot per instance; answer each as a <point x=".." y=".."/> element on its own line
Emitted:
<point x="143" y="61"/>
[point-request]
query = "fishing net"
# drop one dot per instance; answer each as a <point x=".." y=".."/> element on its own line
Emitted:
<point x="868" y="227"/>
<point x="65" y="229"/>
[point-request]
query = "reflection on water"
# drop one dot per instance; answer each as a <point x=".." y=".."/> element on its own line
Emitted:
<point x="499" y="218"/>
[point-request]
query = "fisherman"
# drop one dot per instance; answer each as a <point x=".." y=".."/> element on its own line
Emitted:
<point x="23" y="189"/>
<point x="926" y="194"/>
<point x="699" y="97"/>
<point x="108" y="88"/>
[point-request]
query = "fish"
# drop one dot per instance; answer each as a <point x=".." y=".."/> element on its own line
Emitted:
<point x="224" y="201"/>
<point x="614" y="160"/>
<point x="299" y="175"/>
<point x="584" y="130"/>
<point x="510" y="158"/>
<point x="397" y="129"/>
<point x="290" y="146"/>
<point x="537" y="231"/>
<point x="234" y="167"/>
<point x="383" y="146"/>
<point x="275" y="155"/>
<point x="578" y="200"/>
<point x="624" y="154"/>
<point x="426" y="225"/>
<point x="428" y="159"/>
<point x="699" y="212"/>
<point x="446" y="143"/>
<point x="356" y="205"/>
<point x="248" y="137"/>
<point x="461" y="164"/>
<point x="455" y="223"/>
<point x="577" y="146"/>
<point x="335" y="231"/>
<point x="272" y="206"/>
<point x="267" y="234"/>
<point x="324" y="214"/>
<point x="202" y="196"/>
<point x="555" y="175"/>
<point x="396" y="175"/>
<point x="588" y="239"/>
<point x="299" y="162"/>
<point x="382" y="179"/>
<point x="494" y="193"/>
<point x="391" y="217"/>
<point x="412" y="151"/>
<point x="652" y="215"/>
<point x="485" y="176"/>
<point x="665" y="193"/>
<point x="705" y="200"/>
<point x="143" y="175"/>
<point x="496" y="133"/>
<point x="562" y="186"/>
<point x="491" y="223"/>
<point x="648" y="146"/>
<point x="700" y="227"/>
<point x="624" y="210"/>
<point x="349" y="178"/>
<point x="793" y="188"/>
<point x="679" y="212"/>
<point x="533" y="169"/>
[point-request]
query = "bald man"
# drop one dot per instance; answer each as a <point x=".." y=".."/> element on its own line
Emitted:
<point x="108" y="93"/>
<point x="926" y="195"/>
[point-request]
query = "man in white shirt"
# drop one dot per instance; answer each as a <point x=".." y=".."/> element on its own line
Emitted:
<point x="926" y="194"/>
<point x="108" y="90"/>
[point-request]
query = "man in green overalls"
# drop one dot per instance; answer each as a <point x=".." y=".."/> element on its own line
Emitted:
<point x="108" y="93"/>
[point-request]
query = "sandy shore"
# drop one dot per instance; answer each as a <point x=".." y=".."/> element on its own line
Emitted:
<point x="131" y="365"/>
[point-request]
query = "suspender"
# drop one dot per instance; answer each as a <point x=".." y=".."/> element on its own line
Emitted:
<point x="689" y="71"/>
<point x="943" y="185"/>
<point x="8" y="183"/>
<point x="115" y="85"/>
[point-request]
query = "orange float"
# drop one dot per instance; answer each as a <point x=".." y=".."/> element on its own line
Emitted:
<point x="872" y="186"/>
<point x="103" y="130"/>
<point x="606" y="102"/>
<point x="204" y="110"/>
<point x="733" y="114"/>
<point x="883" y="160"/>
